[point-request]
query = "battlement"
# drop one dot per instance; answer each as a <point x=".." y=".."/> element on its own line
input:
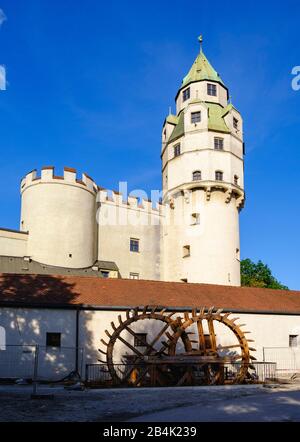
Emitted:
<point x="116" y="199"/>
<point x="47" y="175"/>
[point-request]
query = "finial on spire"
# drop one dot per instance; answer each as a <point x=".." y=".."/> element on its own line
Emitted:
<point x="200" y="39"/>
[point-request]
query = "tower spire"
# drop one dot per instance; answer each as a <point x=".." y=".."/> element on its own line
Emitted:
<point x="200" y="39"/>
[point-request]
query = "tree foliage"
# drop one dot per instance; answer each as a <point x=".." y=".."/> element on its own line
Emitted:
<point x="258" y="275"/>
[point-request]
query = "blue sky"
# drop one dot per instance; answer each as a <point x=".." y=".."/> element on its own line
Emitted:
<point x="90" y="84"/>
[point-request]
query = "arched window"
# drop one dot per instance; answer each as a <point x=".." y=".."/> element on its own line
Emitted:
<point x="219" y="175"/>
<point x="197" y="175"/>
<point x="2" y="338"/>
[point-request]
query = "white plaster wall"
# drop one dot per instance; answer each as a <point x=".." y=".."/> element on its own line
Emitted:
<point x="13" y="243"/>
<point x="26" y="328"/>
<point x="29" y="326"/>
<point x="117" y="224"/>
<point x="61" y="220"/>
<point x="213" y="243"/>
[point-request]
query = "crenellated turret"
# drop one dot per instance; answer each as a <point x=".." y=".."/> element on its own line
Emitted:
<point x="59" y="212"/>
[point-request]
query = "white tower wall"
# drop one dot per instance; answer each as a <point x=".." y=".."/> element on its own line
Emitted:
<point x="200" y="238"/>
<point x="60" y="215"/>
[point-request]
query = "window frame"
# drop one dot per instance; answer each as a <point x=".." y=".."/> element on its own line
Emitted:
<point x="217" y="143"/>
<point x="133" y="274"/>
<point x="186" y="94"/>
<point x="293" y="341"/>
<point x="220" y="174"/>
<point x="55" y="335"/>
<point x="193" y="116"/>
<point x="212" y="87"/>
<point x="132" y="245"/>
<point x="137" y="342"/>
<point x="235" y="123"/>
<point x="186" y="251"/>
<point x="195" y="174"/>
<point x="177" y="150"/>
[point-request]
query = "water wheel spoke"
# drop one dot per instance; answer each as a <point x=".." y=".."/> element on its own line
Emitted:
<point x="201" y="336"/>
<point x="157" y="337"/>
<point x="212" y="334"/>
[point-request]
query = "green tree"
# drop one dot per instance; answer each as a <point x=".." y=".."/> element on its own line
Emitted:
<point x="258" y="275"/>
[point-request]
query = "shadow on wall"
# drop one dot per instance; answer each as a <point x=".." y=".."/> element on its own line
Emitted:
<point x="27" y="327"/>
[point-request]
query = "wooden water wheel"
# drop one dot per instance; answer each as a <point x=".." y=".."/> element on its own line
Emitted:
<point x="179" y="351"/>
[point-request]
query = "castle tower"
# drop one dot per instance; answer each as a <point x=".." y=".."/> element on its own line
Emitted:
<point x="60" y="215"/>
<point x="203" y="183"/>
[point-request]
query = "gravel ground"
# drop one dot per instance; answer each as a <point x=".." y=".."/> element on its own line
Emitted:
<point x="167" y="404"/>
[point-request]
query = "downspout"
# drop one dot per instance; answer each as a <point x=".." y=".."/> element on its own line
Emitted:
<point x="77" y="340"/>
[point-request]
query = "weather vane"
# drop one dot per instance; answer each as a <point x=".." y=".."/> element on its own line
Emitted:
<point x="200" y="39"/>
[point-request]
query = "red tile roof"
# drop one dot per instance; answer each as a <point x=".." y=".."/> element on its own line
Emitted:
<point x="82" y="290"/>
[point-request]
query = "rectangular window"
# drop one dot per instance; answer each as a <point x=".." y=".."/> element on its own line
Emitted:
<point x="293" y="340"/>
<point x="177" y="150"/>
<point x="235" y="123"/>
<point x="104" y="274"/>
<point x="195" y="117"/>
<point x="186" y="251"/>
<point x="186" y="94"/>
<point x="140" y="340"/>
<point x="212" y="89"/>
<point x="134" y="245"/>
<point x="134" y="276"/>
<point x="219" y="143"/>
<point x="219" y="176"/>
<point x="53" y="339"/>
<point x="236" y="180"/>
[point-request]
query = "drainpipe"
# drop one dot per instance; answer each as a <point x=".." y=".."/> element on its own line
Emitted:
<point x="77" y="340"/>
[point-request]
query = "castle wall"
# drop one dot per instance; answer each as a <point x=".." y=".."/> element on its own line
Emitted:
<point x="118" y="222"/>
<point x="13" y="243"/>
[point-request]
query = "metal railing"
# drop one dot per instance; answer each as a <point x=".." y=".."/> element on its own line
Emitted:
<point x="287" y="359"/>
<point x="99" y="374"/>
<point x="38" y="362"/>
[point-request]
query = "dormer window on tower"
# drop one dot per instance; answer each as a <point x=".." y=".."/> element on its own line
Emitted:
<point x="212" y="89"/>
<point x="177" y="150"/>
<point x="186" y="94"/>
<point x="195" y="117"/>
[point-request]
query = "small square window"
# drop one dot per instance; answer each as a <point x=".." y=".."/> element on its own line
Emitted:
<point x="134" y="245"/>
<point x="186" y="94"/>
<point x="212" y="89"/>
<point x="293" y="340"/>
<point x="140" y="340"/>
<point x="186" y="251"/>
<point x="219" y="143"/>
<point x="53" y="339"/>
<point x="134" y="276"/>
<point x="104" y="274"/>
<point x="177" y="150"/>
<point x="195" y="117"/>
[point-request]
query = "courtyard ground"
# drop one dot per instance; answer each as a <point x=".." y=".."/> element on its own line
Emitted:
<point x="254" y="403"/>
